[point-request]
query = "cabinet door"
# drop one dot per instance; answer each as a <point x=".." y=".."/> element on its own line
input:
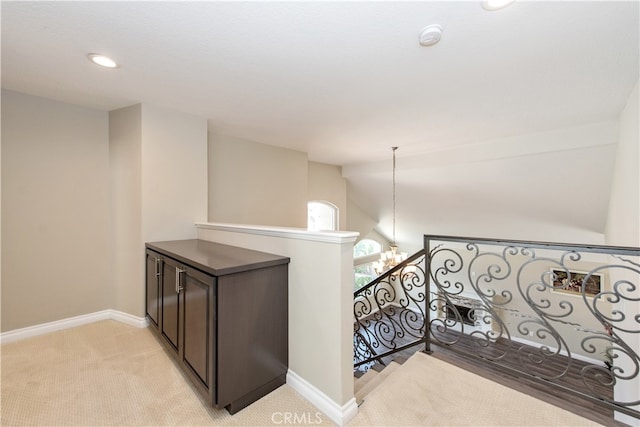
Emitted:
<point x="198" y="327"/>
<point x="154" y="270"/>
<point x="170" y="318"/>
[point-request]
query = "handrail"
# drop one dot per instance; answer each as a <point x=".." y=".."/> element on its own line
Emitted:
<point x="605" y="249"/>
<point x="387" y="313"/>
<point x="390" y="272"/>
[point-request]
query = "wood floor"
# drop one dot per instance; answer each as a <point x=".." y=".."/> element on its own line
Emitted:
<point x="522" y="383"/>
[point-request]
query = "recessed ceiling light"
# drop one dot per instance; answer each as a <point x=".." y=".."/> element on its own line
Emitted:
<point x="496" y="4"/>
<point x="102" y="60"/>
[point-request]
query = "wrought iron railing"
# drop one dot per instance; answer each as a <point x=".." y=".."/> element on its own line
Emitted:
<point x="562" y="314"/>
<point x="389" y="312"/>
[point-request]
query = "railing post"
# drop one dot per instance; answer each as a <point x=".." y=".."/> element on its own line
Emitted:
<point x="427" y="299"/>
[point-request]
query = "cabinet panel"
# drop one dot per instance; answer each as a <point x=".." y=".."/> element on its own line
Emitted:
<point x="253" y="319"/>
<point x="197" y="331"/>
<point x="170" y="303"/>
<point x="153" y="287"/>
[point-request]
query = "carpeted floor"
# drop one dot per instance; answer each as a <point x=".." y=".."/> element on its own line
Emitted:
<point x="426" y="391"/>
<point x="111" y="374"/>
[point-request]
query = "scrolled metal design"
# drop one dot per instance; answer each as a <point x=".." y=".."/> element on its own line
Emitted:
<point x="536" y="312"/>
<point x="451" y="264"/>
<point x="389" y="312"/>
<point x="363" y="354"/>
<point x="483" y="312"/>
<point x="439" y="326"/>
<point x="624" y="361"/>
<point x="498" y="269"/>
<point x="535" y="293"/>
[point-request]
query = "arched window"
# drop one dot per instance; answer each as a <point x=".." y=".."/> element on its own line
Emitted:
<point x="322" y="216"/>
<point x="365" y="254"/>
<point x="366" y="247"/>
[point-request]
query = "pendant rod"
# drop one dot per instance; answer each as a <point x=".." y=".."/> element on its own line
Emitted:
<point x="394" y="194"/>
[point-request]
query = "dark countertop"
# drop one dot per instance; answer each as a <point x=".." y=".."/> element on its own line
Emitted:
<point x="215" y="258"/>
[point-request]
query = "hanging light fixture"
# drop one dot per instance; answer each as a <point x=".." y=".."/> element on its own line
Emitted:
<point x="392" y="257"/>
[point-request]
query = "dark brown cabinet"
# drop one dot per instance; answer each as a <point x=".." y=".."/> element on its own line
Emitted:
<point x="221" y="311"/>
<point x="154" y="264"/>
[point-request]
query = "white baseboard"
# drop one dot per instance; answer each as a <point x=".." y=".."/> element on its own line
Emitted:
<point x="340" y="415"/>
<point x="72" y="322"/>
<point x="129" y="319"/>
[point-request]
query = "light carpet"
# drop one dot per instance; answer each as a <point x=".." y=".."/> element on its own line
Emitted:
<point x="429" y="392"/>
<point x="111" y="374"/>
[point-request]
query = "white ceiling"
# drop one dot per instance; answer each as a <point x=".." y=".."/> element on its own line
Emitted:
<point x="342" y="81"/>
<point x="505" y="126"/>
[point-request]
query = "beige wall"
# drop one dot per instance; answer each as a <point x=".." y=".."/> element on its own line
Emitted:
<point x="0" y="226"/>
<point x="327" y="184"/>
<point x="55" y="219"/>
<point x="252" y="183"/>
<point x="82" y="191"/>
<point x="358" y="220"/>
<point x="159" y="189"/>
<point x="623" y="229"/>
<point x="125" y="150"/>
<point x="623" y="224"/>
<point x="174" y="174"/>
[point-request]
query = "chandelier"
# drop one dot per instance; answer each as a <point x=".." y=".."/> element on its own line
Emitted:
<point x="392" y="257"/>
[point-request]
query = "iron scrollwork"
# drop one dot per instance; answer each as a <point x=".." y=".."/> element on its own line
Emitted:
<point x="526" y="319"/>
<point x="389" y="312"/>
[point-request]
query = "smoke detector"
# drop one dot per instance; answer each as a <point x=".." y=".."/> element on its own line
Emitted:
<point x="430" y="35"/>
<point x="496" y="4"/>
